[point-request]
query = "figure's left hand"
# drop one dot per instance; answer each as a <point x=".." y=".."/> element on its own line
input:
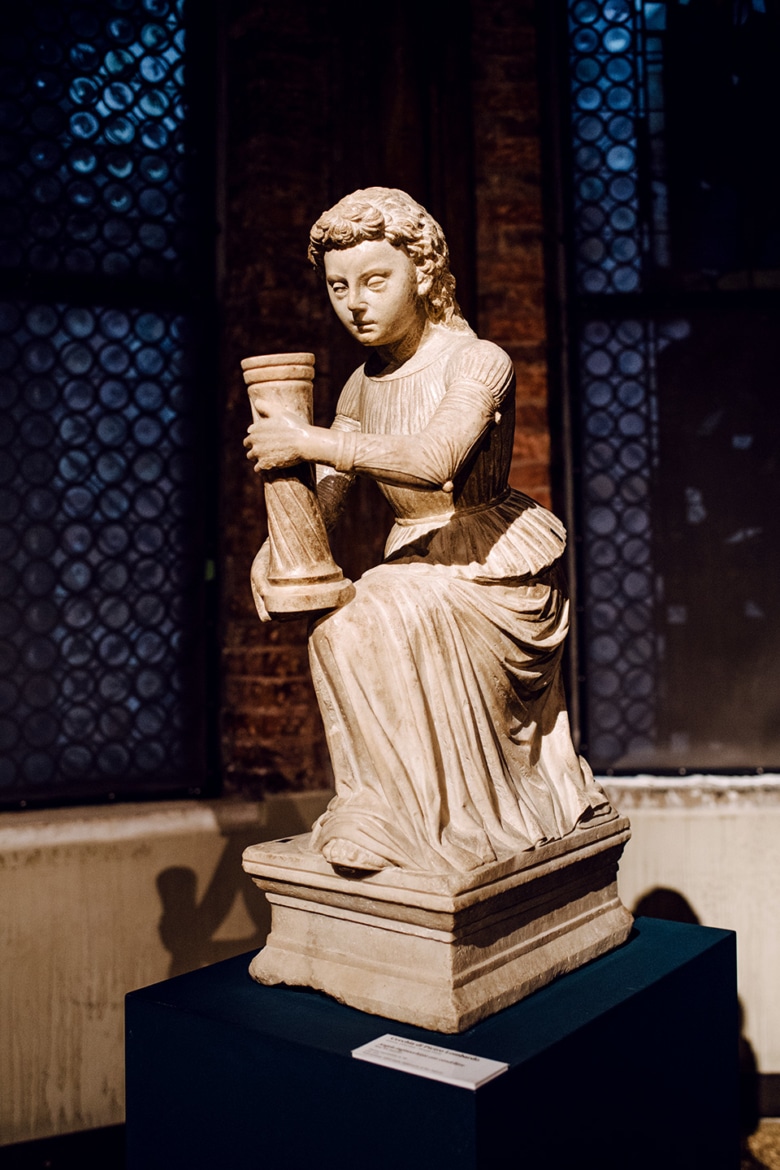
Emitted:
<point x="278" y="439"/>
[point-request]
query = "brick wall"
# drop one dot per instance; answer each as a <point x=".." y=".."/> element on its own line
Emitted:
<point x="294" y="128"/>
<point x="509" y="221"/>
<point x="275" y="184"/>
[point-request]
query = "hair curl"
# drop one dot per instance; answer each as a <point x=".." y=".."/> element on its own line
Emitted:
<point x="385" y="213"/>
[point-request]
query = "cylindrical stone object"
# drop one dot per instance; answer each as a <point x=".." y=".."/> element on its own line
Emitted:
<point x="302" y="575"/>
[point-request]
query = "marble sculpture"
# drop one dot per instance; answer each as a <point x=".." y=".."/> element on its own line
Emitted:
<point x="438" y="672"/>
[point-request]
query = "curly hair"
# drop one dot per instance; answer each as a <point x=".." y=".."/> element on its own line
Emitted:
<point x="385" y="213"/>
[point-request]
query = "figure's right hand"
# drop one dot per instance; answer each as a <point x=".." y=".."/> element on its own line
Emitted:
<point x="258" y="577"/>
<point x="278" y="438"/>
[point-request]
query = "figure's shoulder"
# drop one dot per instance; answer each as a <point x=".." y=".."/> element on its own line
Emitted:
<point x="349" y="399"/>
<point x="478" y="349"/>
<point x="476" y="360"/>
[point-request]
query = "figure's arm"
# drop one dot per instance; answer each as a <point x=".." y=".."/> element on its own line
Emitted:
<point x="258" y="577"/>
<point x="428" y="460"/>
<point x="333" y="486"/>
<point x="432" y="458"/>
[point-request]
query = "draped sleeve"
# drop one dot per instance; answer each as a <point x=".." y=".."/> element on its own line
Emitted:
<point x="478" y="379"/>
<point x="333" y="485"/>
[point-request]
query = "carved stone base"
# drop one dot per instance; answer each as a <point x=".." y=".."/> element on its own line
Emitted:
<point x="437" y="950"/>
<point x="300" y="600"/>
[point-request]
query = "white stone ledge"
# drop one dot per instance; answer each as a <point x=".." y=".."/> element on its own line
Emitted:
<point x="720" y="793"/>
<point x="103" y="824"/>
<point x="84" y="919"/>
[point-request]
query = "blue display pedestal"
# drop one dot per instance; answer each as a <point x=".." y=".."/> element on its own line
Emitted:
<point x="629" y="1063"/>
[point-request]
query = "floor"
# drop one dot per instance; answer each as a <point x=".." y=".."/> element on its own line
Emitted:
<point x="763" y="1147"/>
<point x="104" y="1150"/>
<point x="98" y="1149"/>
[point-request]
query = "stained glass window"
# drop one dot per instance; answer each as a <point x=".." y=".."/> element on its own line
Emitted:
<point x="94" y="178"/>
<point x="101" y="535"/>
<point x="674" y="227"/>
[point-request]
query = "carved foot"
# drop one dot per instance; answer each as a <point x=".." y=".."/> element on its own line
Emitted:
<point x="596" y="816"/>
<point x="343" y="855"/>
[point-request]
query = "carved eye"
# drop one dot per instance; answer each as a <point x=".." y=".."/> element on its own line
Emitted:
<point x="338" y="288"/>
<point x="376" y="283"/>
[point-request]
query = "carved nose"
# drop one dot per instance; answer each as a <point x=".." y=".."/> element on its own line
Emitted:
<point x="355" y="302"/>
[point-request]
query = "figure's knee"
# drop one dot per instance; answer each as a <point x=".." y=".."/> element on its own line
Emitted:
<point x="351" y="624"/>
<point x="332" y="625"/>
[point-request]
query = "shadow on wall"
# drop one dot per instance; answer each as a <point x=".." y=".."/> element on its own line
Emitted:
<point x="672" y="906"/>
<point x="188" y="923"/>
<point x="667" y="904"/>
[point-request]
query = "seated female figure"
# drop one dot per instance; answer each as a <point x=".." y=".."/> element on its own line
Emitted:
<point x="439" y="682"/>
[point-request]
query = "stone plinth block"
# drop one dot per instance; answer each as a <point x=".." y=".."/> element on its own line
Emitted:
<point x="440" y="950"/>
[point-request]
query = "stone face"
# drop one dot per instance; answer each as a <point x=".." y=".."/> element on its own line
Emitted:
<point x="441" y="951"/>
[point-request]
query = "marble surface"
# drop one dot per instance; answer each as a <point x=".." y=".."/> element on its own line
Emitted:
<point x="440" y="950"/>
<point x="438" y="676"/>
<point x="468" y="856"/>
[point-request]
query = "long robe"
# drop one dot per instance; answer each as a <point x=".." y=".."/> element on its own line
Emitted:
<point x="439" y="683"/>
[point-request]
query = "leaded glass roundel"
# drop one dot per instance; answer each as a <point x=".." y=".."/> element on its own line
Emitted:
<point x="92" y="178"/>
<point x="93" y="582"/>
<point x="101" y="536"/>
